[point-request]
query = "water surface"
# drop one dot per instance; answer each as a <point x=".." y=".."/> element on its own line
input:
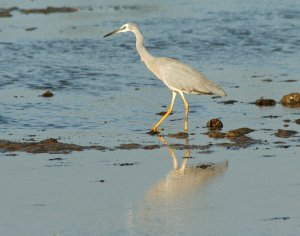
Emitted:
<point x="104" y="95"/>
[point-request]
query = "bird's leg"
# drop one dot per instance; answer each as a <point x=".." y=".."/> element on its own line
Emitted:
<point x="186" y="157"/>
<point x="172" y="152"/>
<point x="186" y="125"/>
<point x="154" y="129"/>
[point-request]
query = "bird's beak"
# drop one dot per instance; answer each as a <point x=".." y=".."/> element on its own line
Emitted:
<point x="111" y="33"/>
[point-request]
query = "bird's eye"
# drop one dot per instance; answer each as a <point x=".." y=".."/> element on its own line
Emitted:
<point x="124" y="27"/>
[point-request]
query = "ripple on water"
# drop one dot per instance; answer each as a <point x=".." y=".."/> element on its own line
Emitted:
<point x="84" y="73"/>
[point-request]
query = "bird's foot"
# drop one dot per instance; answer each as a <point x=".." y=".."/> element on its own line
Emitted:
<point x="153" y="132"/>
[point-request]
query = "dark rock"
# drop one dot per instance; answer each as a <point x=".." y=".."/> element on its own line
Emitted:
<point x="49" y="10"/>
<point x="271" y="116"/>
<point x="46" y="146"/>
<point x="297" y="121"/>
<point x="278" y="218"/>
<point x="238" y="132"/>
<point x="31" y="29"/>
<point x="126" y="164"/>
<point x="179" y="146"/>
<point x="265" y="102"/>
<point x="291" y="100"/>
<point x="268" y="155"/>
<point x="129" y="146"/>
<point x="5" y="13"/>
<point x="279" y="142"/>
<point x="239" y="142"/>
<point x="228" y="102"/>
<point x="151" y="147"/>
<point x="290" y="80"/>
<point x="267" y="80"/>
<point x="99" y="148"/>
<point x="215" y="134"/>
<point x="215" y="124"/>
<point x="283" y="146"/>
<point x="282" y="133"/>
<point x="98" y="181"/>
<point x="56" y="159"/>
<point x="11" y="154"/>
<point x="47" y="94"/>
<point x="239" y="139"/>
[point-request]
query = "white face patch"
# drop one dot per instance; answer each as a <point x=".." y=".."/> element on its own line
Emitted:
<point x="124" y="28"/>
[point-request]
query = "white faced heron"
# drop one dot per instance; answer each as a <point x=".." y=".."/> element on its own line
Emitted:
<point x="177" y="76"/>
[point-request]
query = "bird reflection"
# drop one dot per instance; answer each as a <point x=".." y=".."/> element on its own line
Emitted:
<point x="184" y="179"/>
<point x="175" y="197"/>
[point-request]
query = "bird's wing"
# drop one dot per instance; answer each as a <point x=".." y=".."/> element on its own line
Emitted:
<point x="185" y="78"/>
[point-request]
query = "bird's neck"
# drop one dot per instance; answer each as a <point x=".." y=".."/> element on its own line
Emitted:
<point x="144" y="53"/>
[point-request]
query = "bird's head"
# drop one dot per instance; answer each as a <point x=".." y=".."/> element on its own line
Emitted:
<point x="124" y="28"/>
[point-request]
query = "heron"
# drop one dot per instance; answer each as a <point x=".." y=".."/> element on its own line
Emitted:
<point x="179" y="77"/>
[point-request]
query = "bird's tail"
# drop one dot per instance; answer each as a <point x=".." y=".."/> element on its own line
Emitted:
<point x="216" y="89"/>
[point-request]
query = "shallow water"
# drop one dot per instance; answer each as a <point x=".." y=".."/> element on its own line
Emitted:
<point x="104" y="95"/>
<point x="103" y="90"/>
<point x="89" y="193"/>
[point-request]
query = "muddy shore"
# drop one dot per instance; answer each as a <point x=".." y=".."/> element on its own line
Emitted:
<point x="7" y="12"/>
<point x="237" y="139"/>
